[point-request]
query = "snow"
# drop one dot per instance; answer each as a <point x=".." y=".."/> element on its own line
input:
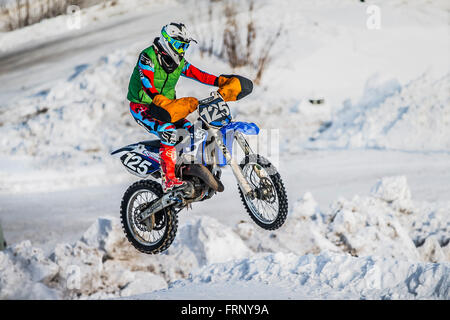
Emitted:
<point x="366" y="172"/>
<point x="67" y="24"/>
<point x="364" y="248"/>
<point x="325" y="276"/>
<point x="210" y="242"/>
<point x="390" y="116"/>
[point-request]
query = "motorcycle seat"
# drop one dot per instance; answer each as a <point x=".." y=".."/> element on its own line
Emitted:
<point x="151" y="143"/>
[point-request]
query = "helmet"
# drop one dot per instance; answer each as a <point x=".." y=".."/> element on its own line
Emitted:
<point x="175" y="39"/>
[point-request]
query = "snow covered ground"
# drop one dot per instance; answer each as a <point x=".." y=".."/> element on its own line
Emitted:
<point x="380" y="246"/>
<point x="367" y="173"/>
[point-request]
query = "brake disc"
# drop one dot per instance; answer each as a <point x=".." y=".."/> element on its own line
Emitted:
<point x="148" y="224"/>
<point x="159" y="220"/>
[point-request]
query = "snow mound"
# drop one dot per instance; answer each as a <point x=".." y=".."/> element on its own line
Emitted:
<point x="325" y="276"/>
<point x="70" y="129"/>
<point x="24" y="273"/>
<point x="209" y="241"/>
<point x="415" y="117"/>
<point x="99" y="265"/>
<point x="392" y="189"/>
<point x="386" y="223"/>
<point x="77" y="121"/>
<point x="364" y="226"/>
<point x="103" y="264"/>
<point x="383" y="245"/>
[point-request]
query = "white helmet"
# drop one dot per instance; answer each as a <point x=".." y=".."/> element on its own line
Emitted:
<point x="175" y="39"/>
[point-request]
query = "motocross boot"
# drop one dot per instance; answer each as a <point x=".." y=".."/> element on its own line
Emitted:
<point x="169" y="181"/>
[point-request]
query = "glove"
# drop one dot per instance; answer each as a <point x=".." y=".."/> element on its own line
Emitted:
<point x="178" y="108"/>
<point x="233" y="87"/>
<point x="229" y="88"/>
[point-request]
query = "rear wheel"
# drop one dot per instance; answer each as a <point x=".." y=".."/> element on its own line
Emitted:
<point x="154" y="234"/>
<point x="268" y="206"/>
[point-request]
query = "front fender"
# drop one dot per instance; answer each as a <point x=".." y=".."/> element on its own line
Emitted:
<point x="248" y="128"/>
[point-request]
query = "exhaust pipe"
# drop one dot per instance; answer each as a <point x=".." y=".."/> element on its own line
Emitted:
<point x="197" y="170"/>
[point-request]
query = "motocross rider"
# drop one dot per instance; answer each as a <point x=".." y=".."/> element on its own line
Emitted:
<point x="152" y="95"/>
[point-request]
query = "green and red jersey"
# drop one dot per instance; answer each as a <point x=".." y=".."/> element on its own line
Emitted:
<point x="150" y="79"/>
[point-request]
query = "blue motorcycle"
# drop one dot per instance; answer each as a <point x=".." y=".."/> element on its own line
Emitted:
<point x="150" y="217"/>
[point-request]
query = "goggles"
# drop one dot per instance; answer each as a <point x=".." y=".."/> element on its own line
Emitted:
<point x="178" y="45"/>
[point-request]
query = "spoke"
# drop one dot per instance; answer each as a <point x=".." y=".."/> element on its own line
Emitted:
<point x="257" y="181"/>
<point x="260" y="206"/>
<point x="265" y="212"/>
<point x="275" y="209"/>
<point x="140" y="199"/>
<point x="271" y="206"/>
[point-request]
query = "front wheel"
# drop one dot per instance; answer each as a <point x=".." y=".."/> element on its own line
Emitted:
<point x="154" y="234"/>
<point x="268" y="206"/>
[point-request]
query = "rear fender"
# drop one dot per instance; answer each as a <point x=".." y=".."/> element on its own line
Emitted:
<point x="139" y="159"/>
<point x="123" y="149"/>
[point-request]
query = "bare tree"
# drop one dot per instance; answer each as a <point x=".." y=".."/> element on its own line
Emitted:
<point x="22" y="13"/>
<point x="26" y="19"/>
<point x="19" y="15"/>
<point x="265" y="57"/>
<point x="239" y="49"/>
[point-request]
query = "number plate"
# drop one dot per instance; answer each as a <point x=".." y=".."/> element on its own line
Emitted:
<point x="216" y="113"/>
<point x="136" y="164"/>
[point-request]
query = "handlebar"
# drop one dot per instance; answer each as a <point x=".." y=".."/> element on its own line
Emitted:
<point x="213" y="95"/>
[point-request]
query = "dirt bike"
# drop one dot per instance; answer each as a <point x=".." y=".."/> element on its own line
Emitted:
<point x="150" y="217"/>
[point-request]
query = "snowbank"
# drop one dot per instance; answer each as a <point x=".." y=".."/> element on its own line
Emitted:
<point x="415" y="117"/>
<point x="323" y="276"/>
<point x="76" y="121"/>
<point x="90" y="267"/>
<point x="103" y="264"/>
<point x="70" y="129"/>
<point x="209" y="241"/>
<point x="387" y="223"/>
<point x="379" y="246"/>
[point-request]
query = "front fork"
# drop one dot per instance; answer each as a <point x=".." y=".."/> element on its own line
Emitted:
<point x="237" y="171"/>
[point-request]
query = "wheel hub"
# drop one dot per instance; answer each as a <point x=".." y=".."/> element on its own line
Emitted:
<point x="265" y="191"/>
<point x="156" y="221"/>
